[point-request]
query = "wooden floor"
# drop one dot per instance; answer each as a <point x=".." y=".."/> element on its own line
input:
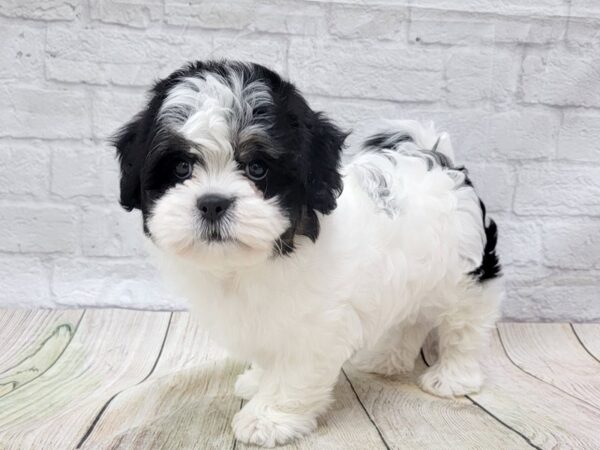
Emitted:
<point x="118" y="379"/>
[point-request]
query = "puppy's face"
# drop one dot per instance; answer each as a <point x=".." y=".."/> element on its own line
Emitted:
<point x="228" y="164"/>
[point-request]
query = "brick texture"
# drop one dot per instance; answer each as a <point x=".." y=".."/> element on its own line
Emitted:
<point x="516" y="84"/>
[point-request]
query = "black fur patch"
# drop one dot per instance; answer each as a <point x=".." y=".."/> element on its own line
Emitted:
<point x="490" y="267"/>
<point x="436" y="159"/>
<point x="391" y="140"/>
<point x="464" y="170"/>
<point x="386" y="140"/>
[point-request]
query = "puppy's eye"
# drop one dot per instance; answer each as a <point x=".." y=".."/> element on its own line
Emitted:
<point x="256" y="170"/>
<point x="183" y="170"/>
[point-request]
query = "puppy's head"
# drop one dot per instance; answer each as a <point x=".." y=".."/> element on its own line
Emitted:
<point x="228" y="164"/>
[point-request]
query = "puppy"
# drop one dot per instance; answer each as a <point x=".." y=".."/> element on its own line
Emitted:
<point x="297" y="262"/>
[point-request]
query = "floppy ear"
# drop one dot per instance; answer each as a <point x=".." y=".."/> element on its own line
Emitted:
<point x="324" y="184"/>
<point x="131" y="153"/>
<point x="133" y="141"/>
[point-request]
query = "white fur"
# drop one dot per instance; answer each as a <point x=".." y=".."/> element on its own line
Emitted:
<point x="390" y="265"/>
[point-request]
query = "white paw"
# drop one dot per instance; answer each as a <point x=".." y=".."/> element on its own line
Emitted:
<point x="246" y="385"/>
<point x="451" y="380"/>
<point x="388" y="364"/>
<point x="263" y="425"/>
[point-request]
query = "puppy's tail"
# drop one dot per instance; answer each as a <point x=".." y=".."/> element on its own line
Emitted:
<point x="410" y="135"/>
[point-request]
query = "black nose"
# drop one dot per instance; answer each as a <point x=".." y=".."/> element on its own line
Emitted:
<point x="213" y="206"/>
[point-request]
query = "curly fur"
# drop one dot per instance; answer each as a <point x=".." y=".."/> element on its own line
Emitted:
<point x="317" y="263"/>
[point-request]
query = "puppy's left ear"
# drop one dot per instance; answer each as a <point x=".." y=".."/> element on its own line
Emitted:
<point x="131" y="152"/>
<point x="324" y="184"/>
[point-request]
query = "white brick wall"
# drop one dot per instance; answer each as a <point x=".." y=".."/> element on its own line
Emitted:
<point x="516" y="83"/>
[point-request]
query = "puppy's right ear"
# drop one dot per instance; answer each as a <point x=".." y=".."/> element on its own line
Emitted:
<point x="131" y="153"/>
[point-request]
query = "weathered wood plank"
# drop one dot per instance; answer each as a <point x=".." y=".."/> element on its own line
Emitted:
<point x="552" y="353"/>
<point x="412" y="419"/>
<point x="547" y="416"/>
<point x="187" y="402"/>
<point x="34" y="334"/>
<point x="589" y="335"/>
<point x="111" y="350"/>
<point x="55" y="379"/>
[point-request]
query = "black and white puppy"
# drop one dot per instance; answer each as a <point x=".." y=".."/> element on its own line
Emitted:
<point x="297" y="262"/>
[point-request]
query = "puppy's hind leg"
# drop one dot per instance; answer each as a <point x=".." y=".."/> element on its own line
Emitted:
<point x="462" y="335"/>
<point x="395" y="352"/>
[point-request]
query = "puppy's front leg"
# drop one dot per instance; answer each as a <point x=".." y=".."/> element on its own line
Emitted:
<point x="246" y="385"/>
<point x="290" y="398"/>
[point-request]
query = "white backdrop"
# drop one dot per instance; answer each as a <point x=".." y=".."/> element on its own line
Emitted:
<point x="517" y="84"/>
